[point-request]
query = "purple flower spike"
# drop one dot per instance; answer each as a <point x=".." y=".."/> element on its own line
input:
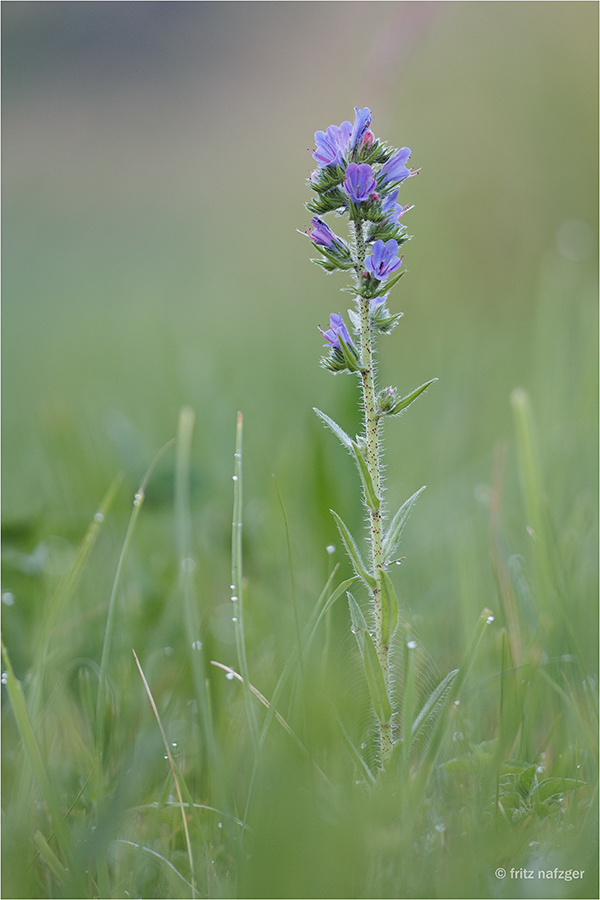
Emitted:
<point x="395" y="168"/>
<point x="336" y="330"/>
<point x="359" y="182"/>
<point x="362" y="120"/>
<point x="383" y="260"/>
<point x="332" y="144"/>
<point x="322" y="235"/>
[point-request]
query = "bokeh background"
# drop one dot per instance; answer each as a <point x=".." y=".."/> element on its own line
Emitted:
<point x="154" y="181"/>
<point x="155" y="157"/>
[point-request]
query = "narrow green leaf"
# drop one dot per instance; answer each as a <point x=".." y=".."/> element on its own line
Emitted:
<point x="406" y="401"/>
<point x="19" y="707"/>
<point x="353" y="552"/>
<point x="350" y="355"/>
<point x="345" y="439"/>
<point x="372" y="666"/>
<point x="359" y="623"/>
<point x="51" y="859"/>
<point x="433" y="705"/>
<point x="389" y="608"/>
<point x="374" y="673"/>
<point x="394" y="532"/>
<point x="372" y="500"/>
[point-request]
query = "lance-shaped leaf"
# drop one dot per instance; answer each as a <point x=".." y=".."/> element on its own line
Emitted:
<point x="353" y="552"/>
<point x="373" y="670"/>
<point x="389" y="608"/>
<point x="410" y="398"/>
<point x="372" y="499"/>
<point x="345" y="439"/>
<point x="432" y="707"/>
<point x="394" y="532"/>
<point x="350" y="355"/>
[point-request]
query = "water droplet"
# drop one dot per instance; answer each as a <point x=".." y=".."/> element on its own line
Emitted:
<point x="457" y="702"/>
<point x="234" y="619"/>
<point x="197" y="645"/>
<point x="235" y="478"/>
<point x="7" y="598"/>
<point x="174" y="744"/>
<point x="99" y="517"/>
<point x="229" y="676"/>
<point x="169" y="651"/>
<point x="220" y="824"/>
<point x="232" y="587"/>
<point x="540" y="769"/>
<point x="330" y="549"/>
<point x="398" y="562"/>
<point x="165" y="756"/>
<point x="234" y="598"/>
<point x="237" y="454"/>
<point x="489" y="620"/>
<point x="363" y="746"/>
<point x="412" y="645"/>
<point x="137" y="498"/>
<point x="4" y="678"/>
<point x="188" y="564"/>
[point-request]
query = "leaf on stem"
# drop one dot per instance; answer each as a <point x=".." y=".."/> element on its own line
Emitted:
<point x="389" y="608"/>
<point x="353" y="552"/>
<point x="394" y="532"/>
<point x="372" y="499"/>
<point x="345" y="439"/>
<point x="373" y="670"/>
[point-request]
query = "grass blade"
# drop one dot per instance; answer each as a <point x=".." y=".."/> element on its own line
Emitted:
<point x="173" y="772"/>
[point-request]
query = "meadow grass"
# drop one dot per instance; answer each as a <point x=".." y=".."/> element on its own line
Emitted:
<point x="177" y="774"/>
<point x="240" y="759"/>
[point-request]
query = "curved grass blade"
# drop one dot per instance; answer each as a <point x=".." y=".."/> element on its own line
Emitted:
<point x="173" y="771"/>
<point x="410" y="398"/>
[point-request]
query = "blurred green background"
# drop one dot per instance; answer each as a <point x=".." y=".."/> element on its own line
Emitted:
<point x="154" y="164"/>
<point x="155" y="157"/>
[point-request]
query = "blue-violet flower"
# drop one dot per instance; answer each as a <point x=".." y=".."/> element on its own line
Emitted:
<point x="395" y="168"/>
<point x="332" y="144"/>
<point x="359" y="182"/>
<point x="362" y="120"/>
<point x="322" y="235"/>
<point x="392" y="208"/>
<point x="383" y="260"/>
<point x="336" y="329"/>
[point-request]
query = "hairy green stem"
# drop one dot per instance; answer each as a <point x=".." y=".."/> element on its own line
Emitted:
<point x="373" y="463"/>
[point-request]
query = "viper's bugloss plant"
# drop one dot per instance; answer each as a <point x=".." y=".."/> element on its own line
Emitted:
<point x="358" y="177"/>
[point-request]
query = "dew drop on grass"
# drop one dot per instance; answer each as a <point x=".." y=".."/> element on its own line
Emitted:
<point x="232" y="587"/>
<point x="137" y="499"/>
<point x="99" y="517"/>
<point x="457" y="702"/>
<point x="4" y="678"/>
<point x="188" y="564"/>
<point x="234" y="619"/>
<point x="235" y="478"/>
<point x="489" y="620"/>
<point x="229" y="676"/>
<point x="7" y="598"/>
<point x="197" y="645"/>
<point x="234" y="598"/>
<point x="412" y="645"/>
<point x="169" y="651"/>
<point x="330" y="549"/>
